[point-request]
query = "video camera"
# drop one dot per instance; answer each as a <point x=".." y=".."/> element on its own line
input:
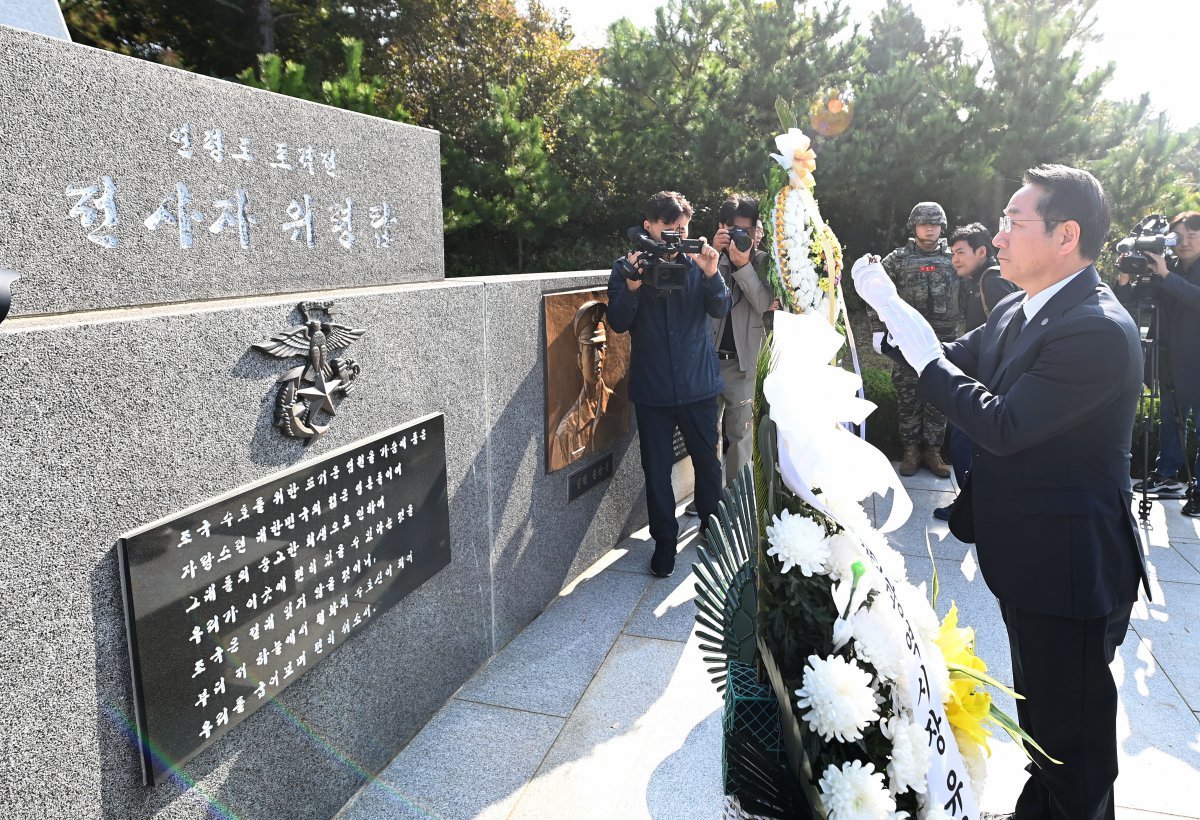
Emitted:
<point x="656" y="266"/>
<point x="1152" y="234"/>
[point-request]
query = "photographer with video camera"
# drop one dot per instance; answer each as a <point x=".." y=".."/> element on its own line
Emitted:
<point x="663" y="294"/>
<point x="1167" y="286"/>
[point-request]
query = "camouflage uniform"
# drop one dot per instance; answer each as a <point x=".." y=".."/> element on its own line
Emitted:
<point x="928" y="282"/>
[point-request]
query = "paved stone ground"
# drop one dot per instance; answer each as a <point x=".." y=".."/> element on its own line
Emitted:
<point x="601" y="707"/>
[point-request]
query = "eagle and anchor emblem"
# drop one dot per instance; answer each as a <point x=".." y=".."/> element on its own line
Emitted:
<point x="308" y="391"/>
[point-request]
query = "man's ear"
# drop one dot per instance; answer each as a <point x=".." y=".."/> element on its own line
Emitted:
<point x="1068" y="237"/>
<point x="646" y="225"/>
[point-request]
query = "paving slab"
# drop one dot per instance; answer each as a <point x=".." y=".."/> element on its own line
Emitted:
<point x="1168" y="563"/>
<point x="1166" y="516"/>
<point x="1158" y="736"/>
<point x="1189" y="551"/>
<point x="547" y="667"/>
<point x="644" y="742"/>
<point x="923" y="480"/>
<point x="1170" y="626"/>
<point x="634" y="552"/>
<point x="668" y="609"/>
<point x="470" y="760"/>
<point x="910" y="538"/>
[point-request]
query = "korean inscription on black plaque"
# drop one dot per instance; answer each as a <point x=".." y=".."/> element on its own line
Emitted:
<point x="229" y="602"/>
<point x="678" y="447"/>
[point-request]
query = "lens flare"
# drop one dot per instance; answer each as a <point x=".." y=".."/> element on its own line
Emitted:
<point x="831" y="112"/>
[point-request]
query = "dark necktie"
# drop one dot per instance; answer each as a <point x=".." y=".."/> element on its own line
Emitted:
<point x="1014" y="329"/>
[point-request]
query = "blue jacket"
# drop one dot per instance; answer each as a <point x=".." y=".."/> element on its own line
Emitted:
<point x="672" y="361"/>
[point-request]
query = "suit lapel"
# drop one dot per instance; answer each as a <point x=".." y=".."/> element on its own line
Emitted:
<point x="1075" y="292"/>
<point x="990" y="364"/>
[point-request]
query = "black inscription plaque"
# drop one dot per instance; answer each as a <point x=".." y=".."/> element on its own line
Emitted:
<point x="678" y="446"/>
<point x="580" y="481"/>
<point x="229" y="602"/>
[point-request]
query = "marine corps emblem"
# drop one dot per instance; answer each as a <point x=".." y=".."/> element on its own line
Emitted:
<point x="308" y="392"/>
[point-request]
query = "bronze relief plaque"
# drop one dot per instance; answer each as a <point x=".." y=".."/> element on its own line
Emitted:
<point x="587" y="378"/>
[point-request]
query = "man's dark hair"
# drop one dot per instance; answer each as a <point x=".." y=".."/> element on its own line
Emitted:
<point x="1190" y="220"/>
<point x="1073" y="195"/>
<point x="735" y="206"/>
<point x="975" y="235"/>
<point x="667" y="206"/>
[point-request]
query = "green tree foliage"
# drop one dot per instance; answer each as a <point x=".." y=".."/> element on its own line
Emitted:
<point x="689" y="104"/>
<point x="221" y="37"/>
<point x="912" y="138"/>
<point x="349" y="91"/>
<point x="1040" y="101"/>
<point x="512" y="188"/>
<point x="440" y="58"/>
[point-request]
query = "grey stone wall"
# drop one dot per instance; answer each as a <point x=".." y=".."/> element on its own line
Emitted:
<point x="125" y="416"/>
<point x="132" y="393"/>
<point x="529" y="511"/>
<point x="74" y="116"/>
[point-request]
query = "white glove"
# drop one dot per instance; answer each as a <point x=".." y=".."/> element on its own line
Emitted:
<point x="908" y="329"/>
<point x="877" y="342"/>
<point x="911" y="333"/>
<point x="872" y="282"/>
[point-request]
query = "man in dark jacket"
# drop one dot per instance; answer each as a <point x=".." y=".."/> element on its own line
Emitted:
<point x="1176" y="290"/>
<point x="980" y="287"/>
<point x="673" y="375"/>
<point x="1047" y="390"/>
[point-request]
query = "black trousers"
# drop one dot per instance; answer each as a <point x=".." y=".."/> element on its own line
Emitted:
<point x="656" y="428"/>
<point x="1060" y="665"/>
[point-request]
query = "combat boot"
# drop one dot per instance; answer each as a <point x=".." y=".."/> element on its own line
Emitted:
<point x="933" y="460"/>
<point x="912" y="457"/>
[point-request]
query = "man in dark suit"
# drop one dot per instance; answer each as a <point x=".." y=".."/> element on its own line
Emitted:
<point x="1047" y="391"/>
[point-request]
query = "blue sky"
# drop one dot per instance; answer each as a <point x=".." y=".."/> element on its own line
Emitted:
<point x="1136" y="35"/>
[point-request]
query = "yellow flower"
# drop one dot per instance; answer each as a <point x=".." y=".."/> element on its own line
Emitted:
<point x="967" y="704"/>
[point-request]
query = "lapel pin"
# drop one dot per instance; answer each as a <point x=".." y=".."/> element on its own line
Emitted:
<point x="1045" y="322"/>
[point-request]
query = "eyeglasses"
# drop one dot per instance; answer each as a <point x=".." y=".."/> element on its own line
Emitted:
<point x="1006" y="222"/>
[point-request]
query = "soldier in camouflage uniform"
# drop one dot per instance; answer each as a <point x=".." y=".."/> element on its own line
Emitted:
<point x="926" y="280"/>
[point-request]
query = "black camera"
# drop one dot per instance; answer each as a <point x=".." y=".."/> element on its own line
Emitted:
<point x="656" y="265"/>
<point x="741" y="239"/>
<point x="1150" y="235"/>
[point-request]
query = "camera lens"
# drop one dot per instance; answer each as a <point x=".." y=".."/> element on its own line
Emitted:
<point x="742" y="241"/>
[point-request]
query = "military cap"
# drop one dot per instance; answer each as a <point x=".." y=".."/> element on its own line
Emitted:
<point x="589" y="323"/>
<point x="927" y="213"/>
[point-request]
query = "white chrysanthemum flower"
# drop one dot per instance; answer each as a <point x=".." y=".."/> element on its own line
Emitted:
<point x="909" y="762"/>
<point x="847" y="511"/>
<point x="889" y="559"/>
<point x="975" y="757"/>
<point x="918" y="611"/>
<point x="879" y="640"/>
<point x="844" y="550"/>
<point x="934" y="811"/>
<point x="856" y="792"/>
<point x="837" y="698"/>
<point x="798" y="542"/>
